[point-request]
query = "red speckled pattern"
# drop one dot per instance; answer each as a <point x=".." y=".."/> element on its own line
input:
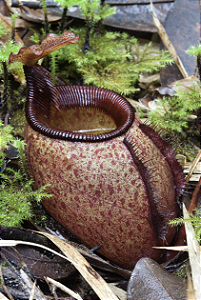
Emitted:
<point x="98" y="193"/>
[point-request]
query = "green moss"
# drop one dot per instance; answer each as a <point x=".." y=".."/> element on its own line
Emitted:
<point x="16" y="189"/>
<point x="182" y="272"/>
<point x="114" y="60"/>
<point x="173" y="113"/>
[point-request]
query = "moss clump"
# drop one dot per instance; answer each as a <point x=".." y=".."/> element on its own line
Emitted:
<point x="174" y="113"/>
<point x="16" y="189"/>
<point x="114" y="61"/>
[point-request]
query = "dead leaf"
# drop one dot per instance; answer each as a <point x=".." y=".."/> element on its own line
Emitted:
<point x="32" y="15"/>
<point x="144" y="78"/>
<point x="97" y="283"/>
<point x="138" y="104"/>
<point x="5" y="38"/>
<point x="182" y="85"/>
<point x="186" y="83"/>
<point x="19" y="23"/>
<point x="30" y="287"/>
<point x="150" y="281"/>
<point x="13" y="243"/>
<point x="166" y="91"/>
<point x="39" y="263"/>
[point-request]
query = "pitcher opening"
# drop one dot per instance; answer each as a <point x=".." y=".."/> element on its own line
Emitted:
<point x="74" y="113"/>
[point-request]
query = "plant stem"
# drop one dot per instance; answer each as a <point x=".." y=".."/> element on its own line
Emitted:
<point x="100" y="21"/>
<point x="45" y="17"/>
<point x="5" y="91"/>
<point x="63" y="19"/>
<point x="53" y="65"/>
<point x="86" y="42"/>
<point x="13" y="28"/>
<point x="199" y="66"/>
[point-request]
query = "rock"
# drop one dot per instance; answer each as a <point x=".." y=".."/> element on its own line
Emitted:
<point x="183" y="28"/>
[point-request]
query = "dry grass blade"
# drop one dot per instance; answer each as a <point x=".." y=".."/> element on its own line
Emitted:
<point x="32" y="291"/>
<point x="194" y="254"/>
<point x="122" y="295"/>
<point x="96" y="282"/>
<point x="63" y="288"/>
<point x="190" y="289"/>
<point x="30" y="287"/>
<point x="193" y="166"/>
<point x="12" y="243"/>
<point x="167" y="42"/>
<point x="2" y="297"/>
<point x="173" y="248"/>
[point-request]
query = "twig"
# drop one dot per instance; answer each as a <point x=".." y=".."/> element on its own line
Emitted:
<point x="45" y="16"/>
<point x="168" y="43"/>
<point x="5" y="90"/>
<point x="63" y="288"/>
<point x="31" y="4"/>
<point x="4" y="286"/>
<point x="173" y="248"/>
<point x="63" y="19"/>
<point x="193" y="166"/>
<point x="87" y="36"/>
<point x="29" y="286"/>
